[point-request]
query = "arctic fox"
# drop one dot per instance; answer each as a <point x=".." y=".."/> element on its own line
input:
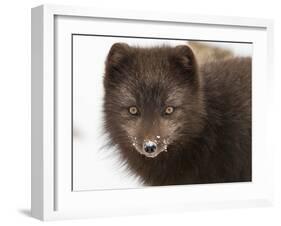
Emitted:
<point x="174" y="122"/>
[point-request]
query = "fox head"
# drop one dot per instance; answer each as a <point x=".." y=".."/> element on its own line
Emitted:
<point x="152" y="97"/>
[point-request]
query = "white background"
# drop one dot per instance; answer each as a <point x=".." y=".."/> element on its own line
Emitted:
<point x="95" y="167"/>
<point x="15" y="112"/>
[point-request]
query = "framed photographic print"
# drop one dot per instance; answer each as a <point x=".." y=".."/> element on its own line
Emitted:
<point x="143" y="113"/>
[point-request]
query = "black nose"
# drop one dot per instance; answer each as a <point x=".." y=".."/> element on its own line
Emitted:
<point x="150" y="147"/>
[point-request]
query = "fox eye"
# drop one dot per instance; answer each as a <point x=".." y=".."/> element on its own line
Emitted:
<point x="133" y="110"/>
<point x="169" y="110"/>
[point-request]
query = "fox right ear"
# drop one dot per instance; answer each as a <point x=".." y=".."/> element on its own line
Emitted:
<point x="117" y="53"/>
<point x="185" y="57"/>
<point x="185" y="61"/>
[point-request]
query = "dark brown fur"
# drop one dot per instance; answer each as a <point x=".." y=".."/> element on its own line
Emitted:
<point x="209" y="134"/>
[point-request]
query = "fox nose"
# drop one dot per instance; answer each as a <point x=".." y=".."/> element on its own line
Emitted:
<point x="150" y="147"/>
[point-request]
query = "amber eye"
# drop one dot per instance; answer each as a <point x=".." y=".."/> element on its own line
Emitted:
<point x="169" y="110"/>
<point x="133" y="110"/>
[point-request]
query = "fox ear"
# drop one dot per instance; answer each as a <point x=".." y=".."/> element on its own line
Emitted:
<point x="117" y="53"/>
<point x="185" y="58"/>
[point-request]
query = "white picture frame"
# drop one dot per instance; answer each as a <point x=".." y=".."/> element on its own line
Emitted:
<point x="52" y="194"/>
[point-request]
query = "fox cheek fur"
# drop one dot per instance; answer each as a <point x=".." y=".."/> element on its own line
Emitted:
<point x="206" y="136"/>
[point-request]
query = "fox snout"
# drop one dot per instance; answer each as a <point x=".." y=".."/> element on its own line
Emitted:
<point x="148" y="139"/>
<point x="149" y="146"/>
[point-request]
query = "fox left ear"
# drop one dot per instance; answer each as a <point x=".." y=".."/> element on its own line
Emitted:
<point x="118" y="52"/>
<point x="185" y="59"/>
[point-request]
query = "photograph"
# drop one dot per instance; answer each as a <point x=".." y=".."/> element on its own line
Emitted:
<point x="149" y="113"/>
<point x="158" y="112"/>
